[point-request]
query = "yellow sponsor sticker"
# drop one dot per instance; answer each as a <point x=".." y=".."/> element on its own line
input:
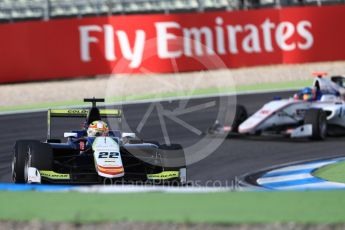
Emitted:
<point x="163" y="175"/>
<point x="83" y="112"/>
<point x="113" y="112"/>
<point x="54" y="175"/>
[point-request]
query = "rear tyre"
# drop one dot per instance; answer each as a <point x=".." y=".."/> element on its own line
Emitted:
<point x="240" y="116"/>
<point x="173" y="159"/>
<point x="317" y="118"/>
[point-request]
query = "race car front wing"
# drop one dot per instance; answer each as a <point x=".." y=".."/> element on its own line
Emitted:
<point x="38" y="176"/>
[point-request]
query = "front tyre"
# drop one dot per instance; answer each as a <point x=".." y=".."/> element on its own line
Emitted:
<point x="316" y="118"/>
<point x="39" y="156"/>
<point x="173" y="159"/>
<point x="18" y="162"/>
<point x="27" y="154"/>
<point x="240" y="116"/>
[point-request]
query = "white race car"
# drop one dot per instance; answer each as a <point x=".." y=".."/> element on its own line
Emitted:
<point x="316" y="117"/>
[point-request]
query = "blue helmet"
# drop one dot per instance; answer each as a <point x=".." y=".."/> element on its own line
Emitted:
<point x="307" y="90"/>
<point x="309" y="94"/>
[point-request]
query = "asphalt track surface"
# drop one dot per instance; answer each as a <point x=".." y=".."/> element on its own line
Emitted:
<point x="233" y="158"/>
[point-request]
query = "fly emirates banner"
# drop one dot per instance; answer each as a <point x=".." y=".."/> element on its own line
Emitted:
<point x="158" y="43"/>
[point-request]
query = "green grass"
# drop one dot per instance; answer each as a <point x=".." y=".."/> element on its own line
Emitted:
<point x="197" y="92"/>
<point x="223" y="208"/>
<point x="333" y="172"/>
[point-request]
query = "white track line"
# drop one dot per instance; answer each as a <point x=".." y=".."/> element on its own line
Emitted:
<point x="293" y="181"/>
<point x="301" y="167"/>
<point x="267" y="180"/>
<point x="321" y="185"/>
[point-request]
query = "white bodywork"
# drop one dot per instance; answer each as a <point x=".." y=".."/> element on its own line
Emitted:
<point x="286" y="112"/>
<point x="183" y="175"/>
<point x="107" y="157"/>
<point x="301" y="131"/>
<point x="274" y="113"/>
<point x="33" y="175"/>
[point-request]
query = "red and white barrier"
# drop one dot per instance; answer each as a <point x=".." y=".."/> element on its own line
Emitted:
<point x="67" y="48"/>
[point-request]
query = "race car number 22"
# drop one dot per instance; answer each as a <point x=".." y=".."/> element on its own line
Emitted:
<point x="108" y="155"/>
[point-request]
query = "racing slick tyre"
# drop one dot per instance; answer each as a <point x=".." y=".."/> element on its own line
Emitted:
<point x="18" y="162"/>
<point x="173" y="159"/>
<point x="39" y="156"/>
<point x="317" y="118"/>
<point x="240" y="116"/>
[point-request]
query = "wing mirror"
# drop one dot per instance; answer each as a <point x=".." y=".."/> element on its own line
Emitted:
<point x="70" y="134"/>
<point x="128" y="135"/>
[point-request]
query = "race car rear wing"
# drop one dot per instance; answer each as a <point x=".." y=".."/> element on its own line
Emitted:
<point x="116" y="113"/>
<point x="82" y="113"/>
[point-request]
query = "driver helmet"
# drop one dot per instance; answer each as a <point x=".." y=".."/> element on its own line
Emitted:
<point x="97" y="128"/>
<point x="308" y="94"/>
